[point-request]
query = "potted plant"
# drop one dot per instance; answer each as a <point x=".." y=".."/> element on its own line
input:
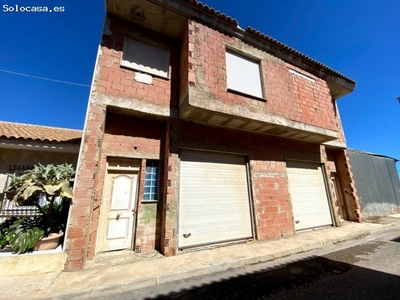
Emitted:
<point x="47" y="187"/>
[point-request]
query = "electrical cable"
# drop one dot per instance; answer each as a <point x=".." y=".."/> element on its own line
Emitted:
<point x="44" y="78"/>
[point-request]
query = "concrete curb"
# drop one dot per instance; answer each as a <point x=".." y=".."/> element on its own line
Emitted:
<point x="167" y="277"/>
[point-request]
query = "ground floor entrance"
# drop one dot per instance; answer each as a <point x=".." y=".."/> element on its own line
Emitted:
<point x="214" y="204"/>
<point x="117" y="216"/>
<point x="172" y="186"/>
<point x="308" y="192"/>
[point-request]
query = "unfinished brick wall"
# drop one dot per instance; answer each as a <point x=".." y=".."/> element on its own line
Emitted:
<point x="271" y="199"/>
<point x="171" y="184"/>
<point x="288" y="95"/>
<point x="123" y="137"/>
<point x="135" y="138"/>
<point x="116" y="86"/>
<point x="170" y="211"/>
<point x="148" y="225"/>
<point x="312" y="100"/>
<point x="274" y="216"/>
<point x="117" y="81"/>
<point x="85" y="189"/>
<point x="184" y="65"/>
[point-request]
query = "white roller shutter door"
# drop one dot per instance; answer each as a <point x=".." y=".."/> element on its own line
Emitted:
<point x="213" y="199"/>
<point x="308" y="193"/>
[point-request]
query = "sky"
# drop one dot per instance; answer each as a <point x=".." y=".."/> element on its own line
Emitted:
<point x="47" y="59"/>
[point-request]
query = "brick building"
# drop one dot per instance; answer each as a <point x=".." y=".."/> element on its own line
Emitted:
<point x="199" y="133"/>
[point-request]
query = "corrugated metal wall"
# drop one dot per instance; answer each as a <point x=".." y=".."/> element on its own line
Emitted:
<point x="377" y="183"/>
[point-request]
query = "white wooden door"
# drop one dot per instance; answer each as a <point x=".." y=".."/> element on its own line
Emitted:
<point x="309" y="197"/>
<point x="214" y="204"/>
<point x="117" y="216"/>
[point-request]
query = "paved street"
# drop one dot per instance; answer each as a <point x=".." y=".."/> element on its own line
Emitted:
<point x="254" y="270"/>
<point x="368" y="268"/>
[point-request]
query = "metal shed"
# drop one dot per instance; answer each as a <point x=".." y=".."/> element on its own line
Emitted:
<point x="377" y="183"/>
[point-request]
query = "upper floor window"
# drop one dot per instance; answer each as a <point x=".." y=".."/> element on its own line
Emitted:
<point x="243" y="74"/>
<point x="145" y="58"/>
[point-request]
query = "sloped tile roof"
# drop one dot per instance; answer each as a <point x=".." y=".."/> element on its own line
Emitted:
<point x="232" y="21"/>
<point x="213" y="12"/>
<point x="38" y="133"/>
<point x="295" y="52"/>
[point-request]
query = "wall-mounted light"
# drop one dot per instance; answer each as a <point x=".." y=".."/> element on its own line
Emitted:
<point x="137" y="13"/>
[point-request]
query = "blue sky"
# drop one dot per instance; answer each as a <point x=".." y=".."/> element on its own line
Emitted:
<point x="357" y="38"/>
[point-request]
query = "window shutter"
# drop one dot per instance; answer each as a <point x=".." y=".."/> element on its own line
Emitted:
<point x="243" y="75"/>
<point x="214" y="202"/>
<point x="145" y="58"/>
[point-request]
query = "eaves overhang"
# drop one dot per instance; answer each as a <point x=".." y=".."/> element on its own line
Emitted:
<point x="30" y="145"/>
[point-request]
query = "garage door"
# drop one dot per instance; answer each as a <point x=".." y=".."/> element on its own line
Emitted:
<point x="308" y="193"/>
<point x="214" y="204"/>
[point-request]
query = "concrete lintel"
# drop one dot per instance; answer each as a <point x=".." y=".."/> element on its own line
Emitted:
<point x="336" y="144"/>
<point x="136" y="105"/>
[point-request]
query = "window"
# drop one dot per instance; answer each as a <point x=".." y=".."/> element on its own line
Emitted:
<point x="151" y="181"/>
<point x="243" y="75"/>
<point x="145" y="58"/>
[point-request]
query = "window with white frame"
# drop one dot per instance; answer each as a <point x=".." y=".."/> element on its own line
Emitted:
<point x="145" y="58"/>
<point x="151" y="181"/>
<point x="243" y="74"/>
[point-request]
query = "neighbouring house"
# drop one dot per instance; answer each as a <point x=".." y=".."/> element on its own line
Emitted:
<point x="24" y="145"/>
<point x="21" y="147"/>
<point x="377" y="183"/>
<point x="201" y="133"/>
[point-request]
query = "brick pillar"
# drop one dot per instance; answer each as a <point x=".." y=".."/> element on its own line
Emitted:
<point x="273" y="208"/>
<point x="170" y="211"/>
<point x="77" y="238"/>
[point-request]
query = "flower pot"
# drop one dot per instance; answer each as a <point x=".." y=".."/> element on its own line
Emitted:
<point x="48" y="242"/>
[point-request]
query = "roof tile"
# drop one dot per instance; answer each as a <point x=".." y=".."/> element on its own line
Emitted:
<point x="291" y="50"/>
<point x="213" y="11"/>
<point x="232" y="21"/>
<point x="38" y="133"/>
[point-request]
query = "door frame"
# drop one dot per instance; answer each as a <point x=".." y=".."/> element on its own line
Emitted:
<point x="337" y="186"/>
<point x="122" y="166"/>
